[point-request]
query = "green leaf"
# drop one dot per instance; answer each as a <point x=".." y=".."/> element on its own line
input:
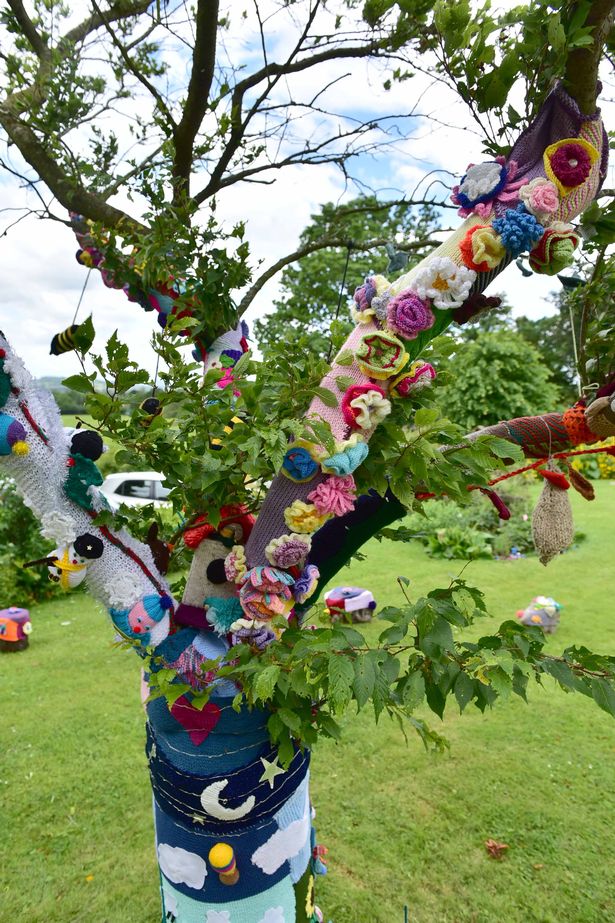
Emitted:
<point x="341" y="676"/>
<point x="327" y="397"/>
<point x="290" y="719"/>
<point x="346" y="357"/>
<point x="464" y="690"/>
<point x="414" y="690"/>
<point x="80" y="383"/>
<point x="603" y="694"/>
<point x="364" y="680"/>
<point x="84" y="336"/>
<point x="264" y="683"/>
<point x="344" y="381"/>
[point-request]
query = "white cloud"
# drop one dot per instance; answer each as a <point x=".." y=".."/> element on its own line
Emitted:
<point x="273" y="915"/>
<point x="181" y="866"/>
<point x="283" y="844"/>
<point x="218" y="916"/>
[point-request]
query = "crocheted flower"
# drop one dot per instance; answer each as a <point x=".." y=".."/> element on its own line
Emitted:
<point x="420" y="375"/>
<point x="347" y="458"/>
<point x="364" y="406"/>
<point x="303" y="517"/>
<point x="306" y="583"/>
<point x="568" y="162"/>
<point x="408" y="315"/>
<point x="266" y="593"/>
<point x="222" y="612"/>
<point x="518" y="229"/>
<point x="380" y="355"/>
<point x="288" y="550"/>
<point x="335" y="496"/>
<point x="481" y="249"/>
<point x="555" y="250"/>
<point x="235" y="566"/>
<point x="364" y="297"/>
<point x="298" y="464"/>
<point x="541" y="198"/>
<point x="445" y="283"/>
<point x="485" y="184"/>
<point x="254" y="633"/>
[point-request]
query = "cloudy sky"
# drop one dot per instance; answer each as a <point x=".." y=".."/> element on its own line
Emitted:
<point x="42" y="282"/>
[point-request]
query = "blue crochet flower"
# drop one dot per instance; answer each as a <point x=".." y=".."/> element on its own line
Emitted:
<point x="343" y="463"/>
<point x="298" y="464"/>
<point x="519" y="230"/>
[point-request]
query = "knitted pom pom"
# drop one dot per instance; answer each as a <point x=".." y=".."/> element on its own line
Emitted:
<point x="21" y="448"/>
<point x="576" y="426"/>
<point x="87" y="443"/>
<point x="166" y="602"/>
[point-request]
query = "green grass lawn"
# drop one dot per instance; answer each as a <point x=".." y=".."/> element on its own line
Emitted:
<point x="402" y="826"/>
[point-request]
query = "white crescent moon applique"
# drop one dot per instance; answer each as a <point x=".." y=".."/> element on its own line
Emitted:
<point x="210" y="799"/>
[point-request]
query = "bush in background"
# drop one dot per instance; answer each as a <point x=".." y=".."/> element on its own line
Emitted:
<point x="20" y="541"/>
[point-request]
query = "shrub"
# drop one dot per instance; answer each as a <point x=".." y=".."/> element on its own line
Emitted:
<point x="20" y="541"/>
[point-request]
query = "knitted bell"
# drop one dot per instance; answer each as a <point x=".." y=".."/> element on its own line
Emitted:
<point x="12" y="436"/>
<point x="552" y="525"/>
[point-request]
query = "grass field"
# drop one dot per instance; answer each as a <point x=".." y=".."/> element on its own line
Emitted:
<point x="403" y="827"/>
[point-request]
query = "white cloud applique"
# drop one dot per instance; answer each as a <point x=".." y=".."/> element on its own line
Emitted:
<point x="273" y="915"/>
<point x="282" y="846"/>
<point x="181" y="866"/>
<point x="218" y="916"/>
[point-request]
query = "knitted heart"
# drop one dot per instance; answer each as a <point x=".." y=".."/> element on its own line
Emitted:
<point x="198" y="722"/>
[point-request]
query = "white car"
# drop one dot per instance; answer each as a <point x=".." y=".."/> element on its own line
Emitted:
<point x="135" y="488"/>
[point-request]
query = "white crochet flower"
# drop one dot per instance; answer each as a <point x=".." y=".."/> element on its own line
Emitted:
<point x="58" y="527"/>
<point x="372" y="407"/>
<point x="480" y="179"/>
<point x="444" y="283"/>
<point x="124" y="590"/>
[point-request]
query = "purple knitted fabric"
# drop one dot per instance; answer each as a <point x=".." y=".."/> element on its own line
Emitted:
<point x="559" y="117"/>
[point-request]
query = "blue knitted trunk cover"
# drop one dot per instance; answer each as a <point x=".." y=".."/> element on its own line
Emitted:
<point x="216" y="790"/>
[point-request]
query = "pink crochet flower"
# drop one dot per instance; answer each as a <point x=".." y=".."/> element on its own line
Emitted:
<point x="335" y="495"/>
<point x="571" y="164"/>
<point x="408" y="315"/>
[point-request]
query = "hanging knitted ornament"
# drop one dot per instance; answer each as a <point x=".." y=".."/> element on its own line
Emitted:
<point x="12" y="436"/>
<point x="82" y="475"/>
<point x="600" y="417"/>
<point x="552" y="525"/>
<point x="64" y="342"/>
<point x="581" y="484"/>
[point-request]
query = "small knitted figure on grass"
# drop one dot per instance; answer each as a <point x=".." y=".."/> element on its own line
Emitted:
<point x="543" y="612"/>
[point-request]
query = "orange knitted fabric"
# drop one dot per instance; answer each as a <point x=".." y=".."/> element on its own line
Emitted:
<point x="578" y="431"/>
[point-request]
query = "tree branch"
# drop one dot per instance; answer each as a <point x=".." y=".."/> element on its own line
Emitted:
<point x="322" y="244"/>
<point x="116" y="12"/>
<point x="581" y="77"/>
<point x="197" y="100"/>
<point x="134" y="70"/>
<point x="65" y="188"/>
<point x="239" y="125"/>
<point x="29" y="29"/>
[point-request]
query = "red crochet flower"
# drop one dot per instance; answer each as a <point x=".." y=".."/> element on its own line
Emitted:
<point x="351" y="413"/>
<point x="571" y="164"/>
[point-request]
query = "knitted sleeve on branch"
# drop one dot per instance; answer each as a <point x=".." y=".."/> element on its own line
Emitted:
<point x="509" y="205"/>
<point x="123" y="575"/>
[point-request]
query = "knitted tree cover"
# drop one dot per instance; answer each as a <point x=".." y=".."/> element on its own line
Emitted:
<point x="234" y="831"/>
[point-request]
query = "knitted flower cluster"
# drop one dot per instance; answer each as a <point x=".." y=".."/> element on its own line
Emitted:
<point x="485" y="185"/>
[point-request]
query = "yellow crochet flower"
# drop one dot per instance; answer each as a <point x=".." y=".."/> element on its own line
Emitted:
<point x="487" y="247"/>
<point x="303" y="517"/>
